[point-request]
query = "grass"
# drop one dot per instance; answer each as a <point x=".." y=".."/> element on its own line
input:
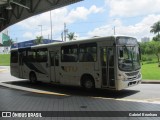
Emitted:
<point x="151" y="71"/>
<point x="4" y="59"/>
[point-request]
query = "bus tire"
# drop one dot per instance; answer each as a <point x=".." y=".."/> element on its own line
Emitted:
<point x="32" y="77"/>
<point x="88" y="82"/>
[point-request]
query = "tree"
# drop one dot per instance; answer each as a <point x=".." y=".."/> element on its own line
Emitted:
<point x="146" y="48"/>
<point x="71" y="36"/>
<point x="155" y="28"/>
<point x="156" y="38"/>
<point x="143" y="47"/>
<point x="1" y="44"/>
<point x="39" y="40"/>
<point x="8" y="42"/>
<point x="149" y="48"/>
<point x="11" y="42"/>
<point x="155" y="48"/>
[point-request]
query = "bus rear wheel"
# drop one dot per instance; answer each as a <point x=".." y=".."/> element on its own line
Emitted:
<point x="88" y="83"/>
<point x="32" y="77"/>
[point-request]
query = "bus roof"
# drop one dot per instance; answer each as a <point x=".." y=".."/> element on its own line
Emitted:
<point x="93" y="39"/>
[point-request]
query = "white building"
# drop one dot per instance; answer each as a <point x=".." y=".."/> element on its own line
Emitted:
<point x="145" y="39"/>
<point x="4" y="50"/>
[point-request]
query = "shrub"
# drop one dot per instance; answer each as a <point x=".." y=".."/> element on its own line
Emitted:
<point x="144" y="58"/>
<point x="149" y="59"/>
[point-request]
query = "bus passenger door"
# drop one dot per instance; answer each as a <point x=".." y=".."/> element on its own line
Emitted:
<point x="54" y="67"/>
<point x="107" y="67"/>
<point x="111" y="67"/>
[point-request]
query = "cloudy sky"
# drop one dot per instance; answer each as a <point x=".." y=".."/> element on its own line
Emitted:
<point x="92" y="18"/>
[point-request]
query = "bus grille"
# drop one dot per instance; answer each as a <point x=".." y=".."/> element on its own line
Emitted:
<point x="132" y="73"/>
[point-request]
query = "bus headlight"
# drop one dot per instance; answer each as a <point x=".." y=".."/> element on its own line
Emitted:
<point x="139" y="75"/>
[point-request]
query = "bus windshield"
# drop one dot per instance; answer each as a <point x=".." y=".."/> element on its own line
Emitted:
<point x="128" y="59"/>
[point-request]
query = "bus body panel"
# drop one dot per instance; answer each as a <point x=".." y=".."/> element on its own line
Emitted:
<point x="14" y="66"/>
<point x="14" y="69"/>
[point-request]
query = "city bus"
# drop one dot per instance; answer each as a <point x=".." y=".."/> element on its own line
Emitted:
<point x="111" y="62"/>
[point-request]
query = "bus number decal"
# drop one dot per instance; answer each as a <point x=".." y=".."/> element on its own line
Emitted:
<point x="69" y="68"/>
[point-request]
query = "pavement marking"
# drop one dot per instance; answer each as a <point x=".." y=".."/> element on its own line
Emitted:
<point x="153" y="101"/>
<point x="50" y="93"/>
<point x="31" y="90"/>
<point x="141" y="100"/>
<point x="2" y="70"/>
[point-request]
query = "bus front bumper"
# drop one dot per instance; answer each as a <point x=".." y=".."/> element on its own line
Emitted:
<point x="129" y="83"/>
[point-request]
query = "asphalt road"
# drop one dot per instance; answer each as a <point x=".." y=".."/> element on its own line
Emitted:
<point x="73" y="102"/>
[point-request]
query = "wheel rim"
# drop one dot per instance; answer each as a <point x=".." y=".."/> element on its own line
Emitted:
<point x="88" y="84"/>
<point x="33" y="78"/>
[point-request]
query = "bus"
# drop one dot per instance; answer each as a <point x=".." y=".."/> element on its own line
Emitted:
<point x="111" y="62"/>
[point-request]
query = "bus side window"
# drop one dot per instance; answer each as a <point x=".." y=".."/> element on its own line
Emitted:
<point x="88" y="52"/>
<point x="42" y="55"/>
<point x="111" y="61"/>
<point x="111" y="58"/>
<point x="69" y="53"/>
<point x="54" y="58"/>
<point x="31" y="56"/>
<point x="103" y="57"/>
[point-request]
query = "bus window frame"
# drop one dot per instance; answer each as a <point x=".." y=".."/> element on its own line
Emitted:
<point x="74" y="46"/>
<point x="88" y="45"/>
<point x="34" y="59"/>
<point x="40" y="60"/>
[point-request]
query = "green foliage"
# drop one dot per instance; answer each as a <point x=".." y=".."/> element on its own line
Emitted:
<point x="148" y="59"/>
<point x="155" y="28"/>
<point x="8" y="42"/>
<point x="156" y="38"/>
<point x="150" y="48"/>
<point x="143" y="58"/>
<point x="155" y="48"/>
<point x="71" y="36"/>
<point x="39" y="40"/>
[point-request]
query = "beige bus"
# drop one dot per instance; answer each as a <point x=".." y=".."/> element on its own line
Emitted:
<point x="102" y="62"/>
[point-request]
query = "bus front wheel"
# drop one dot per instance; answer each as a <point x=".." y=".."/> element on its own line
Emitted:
<point x="32" y="77"/>
<point x="88" y="82"/>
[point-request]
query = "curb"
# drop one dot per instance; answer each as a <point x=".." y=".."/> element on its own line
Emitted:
<point x="150" y="81"/>
<point x="1" y="70"/>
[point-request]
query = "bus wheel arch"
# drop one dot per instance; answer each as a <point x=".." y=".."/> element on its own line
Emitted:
<point x="32" y="77"/>
<point x="87" y="81"/>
